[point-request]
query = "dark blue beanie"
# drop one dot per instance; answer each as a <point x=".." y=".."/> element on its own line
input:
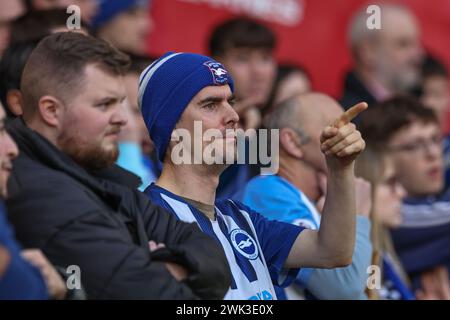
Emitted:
<point x="108" y="9"/>
<point x="168" y="85"/>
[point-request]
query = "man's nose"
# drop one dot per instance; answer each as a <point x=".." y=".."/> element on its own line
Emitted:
<point x="231" y="116"/>
<point x="12" y="150"/>
<point x="433" y="150"/>
<point x="120" y="115"/>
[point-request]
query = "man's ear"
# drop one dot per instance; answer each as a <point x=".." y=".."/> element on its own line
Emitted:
<point x="290" y="143"/>
<point x="50" y="109"/>
<point x="14" y="102"/>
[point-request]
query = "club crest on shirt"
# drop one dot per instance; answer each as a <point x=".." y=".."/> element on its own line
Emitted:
<point x="219" y="73"/>
<point x="244" y="244"/>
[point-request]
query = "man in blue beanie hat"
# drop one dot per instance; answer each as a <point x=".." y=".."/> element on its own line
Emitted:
<point x="181" y="91"/>
<point x="126" y="24"/>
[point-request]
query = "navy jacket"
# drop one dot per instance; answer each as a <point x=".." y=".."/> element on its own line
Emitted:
<point x="354" y="92"/>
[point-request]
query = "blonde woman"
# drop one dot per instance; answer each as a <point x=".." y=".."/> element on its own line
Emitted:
<point x="387" y="194"/>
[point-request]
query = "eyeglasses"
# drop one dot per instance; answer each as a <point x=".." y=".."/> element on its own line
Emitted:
<point x="420" y="145"/>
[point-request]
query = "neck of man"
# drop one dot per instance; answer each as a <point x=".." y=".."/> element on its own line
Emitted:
<point x="301" y="175"/>
<point x="195" y="182"/>
<point x="47" y="132"/>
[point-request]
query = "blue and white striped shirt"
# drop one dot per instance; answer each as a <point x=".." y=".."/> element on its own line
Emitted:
<point x="256" y="248"/>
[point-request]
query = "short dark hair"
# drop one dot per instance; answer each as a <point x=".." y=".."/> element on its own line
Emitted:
<point x="11" y="67"/>
<point x="56" y="66"/>
<point x="238" y="33"/>
<point x="433" y="67"/>
<point x="37" y="24"/>
<point x="138" y="63"/>
<point x="381" y="121"/>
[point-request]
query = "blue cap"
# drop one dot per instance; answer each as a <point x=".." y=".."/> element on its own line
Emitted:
<point x="108" y="9"/>
<point x="168" y="85"/>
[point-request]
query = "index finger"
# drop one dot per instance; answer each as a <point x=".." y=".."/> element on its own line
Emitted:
<point x="350" y="114"/>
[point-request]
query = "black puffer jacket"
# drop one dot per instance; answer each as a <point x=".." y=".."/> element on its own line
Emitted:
<point x="102" y="226"/>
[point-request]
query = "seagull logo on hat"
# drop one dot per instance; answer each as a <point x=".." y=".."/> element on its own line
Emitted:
<point x="218" y="72"/>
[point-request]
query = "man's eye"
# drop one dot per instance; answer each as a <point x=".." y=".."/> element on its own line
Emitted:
<point x="232" y="102"/>
<point x="104" y="105"/>
<point x="209" y="106"/>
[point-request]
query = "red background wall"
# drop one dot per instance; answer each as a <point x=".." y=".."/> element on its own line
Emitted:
<point x="317" y="42"/>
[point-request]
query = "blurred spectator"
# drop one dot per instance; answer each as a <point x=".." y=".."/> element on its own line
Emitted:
<point x="412" y="136"/>
<point x="138" y="64"/>
<point x="291" y="81"/>
<point x="377" y="167"/>
<point x="245" y="47"/>
<point x="126" y="24"/>
<point x="9" y="11"/>
<point x="290" y="195"/>
<point x="24" y="274"/>
<point x="125" y="246"/>
<point x="135" y="146"/>
<point x="88" y="8"/>
<point x="11" y="67"/>
<point x="38" y="24"/>
<point x="27" y="31"/>
<point x="433" y="90"/>
<point x="434" y="93"/>
<point x="386" y="61"/>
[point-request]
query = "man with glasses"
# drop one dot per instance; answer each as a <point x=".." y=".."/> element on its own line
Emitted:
<point x="412" y="135"/>
<point x="291" y="194"/>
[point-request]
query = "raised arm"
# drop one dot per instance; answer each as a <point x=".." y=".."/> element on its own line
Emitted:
<point x="332" y="245"/>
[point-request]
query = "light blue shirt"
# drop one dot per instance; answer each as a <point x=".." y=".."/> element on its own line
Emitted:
<point x="131" y="159"/>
